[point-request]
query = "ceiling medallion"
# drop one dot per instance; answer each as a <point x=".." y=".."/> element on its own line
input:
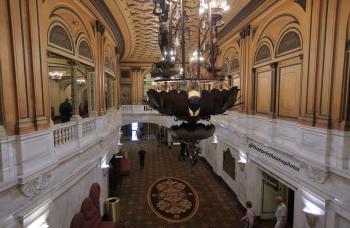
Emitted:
<point x="194" y="99"/>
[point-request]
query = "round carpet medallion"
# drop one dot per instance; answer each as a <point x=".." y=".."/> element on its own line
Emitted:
<point x="173" y="199"/>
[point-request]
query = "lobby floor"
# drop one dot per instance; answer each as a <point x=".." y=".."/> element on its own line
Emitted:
<point x="217" y="207"/>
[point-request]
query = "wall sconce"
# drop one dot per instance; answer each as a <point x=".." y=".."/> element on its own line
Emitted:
<point x="311" y="219"/>
<point x="312" y="211"/>
<point x="55" y="75"/>
<point x="242" y="164"/>
<point x="242" y="160"/>
<point x="104" y="167"/>
<point x="81" y="81"/>
<point x="215" y="139"/>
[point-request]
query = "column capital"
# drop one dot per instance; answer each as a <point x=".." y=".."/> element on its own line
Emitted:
<point x="135" y="68"/>
<point x="274" y="65"/>
<point x="73" y="62"/>
<point x="100" y="28"/>
<point x="90" y="69"/>
<point x="245" y="32"/>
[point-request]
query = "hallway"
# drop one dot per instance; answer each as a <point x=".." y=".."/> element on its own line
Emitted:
<point x="217" y="208"/>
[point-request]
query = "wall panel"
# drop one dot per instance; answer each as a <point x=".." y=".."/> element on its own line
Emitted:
<point x="263" y="92"/>
<point x="289" y="91"/>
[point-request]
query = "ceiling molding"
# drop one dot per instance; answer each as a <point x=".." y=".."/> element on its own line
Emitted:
<point x="247" y="10"/>
<point x="107" y="15"/>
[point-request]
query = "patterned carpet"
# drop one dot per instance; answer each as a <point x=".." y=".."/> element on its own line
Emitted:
<point x="217" y="208"/>
<point x="173" y="199"/>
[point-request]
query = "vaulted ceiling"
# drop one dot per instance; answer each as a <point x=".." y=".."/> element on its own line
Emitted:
<point x="140" y="27"/>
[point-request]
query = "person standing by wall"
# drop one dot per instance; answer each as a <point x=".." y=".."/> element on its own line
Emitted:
<point x="142" y="154"/>
<point x="249" y="216"/>
<point x="281" y="213"/>
<point x="65" y="111"/>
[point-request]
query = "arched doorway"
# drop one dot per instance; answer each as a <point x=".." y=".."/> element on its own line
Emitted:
<point x="70" y="67"/>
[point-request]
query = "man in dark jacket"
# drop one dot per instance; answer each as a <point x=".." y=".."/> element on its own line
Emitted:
<point x="142" y="154"/>
<point x="183" y="149"/>
<point x="65" y="111"/>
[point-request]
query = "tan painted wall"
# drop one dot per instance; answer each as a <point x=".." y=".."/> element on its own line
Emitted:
<point x="309" y="84"/>
<point x="23" y="56"/>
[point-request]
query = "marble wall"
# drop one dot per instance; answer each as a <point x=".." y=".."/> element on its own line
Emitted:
<point x="50" y="190"/>
<point x="296" y="155"/>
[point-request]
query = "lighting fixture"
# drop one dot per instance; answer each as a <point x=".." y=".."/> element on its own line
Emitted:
<point x="196" y="58"/>
<point x="81" y="81"/>
<point x="192" y="105"/>
<point x="55" y="75"/>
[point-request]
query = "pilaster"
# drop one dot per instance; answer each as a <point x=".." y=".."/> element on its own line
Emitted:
<point x="39" y="80"/>
<point x="246" y="76"/>
<point x="137" y="85"/>
<point x="117" y="80"/>
<point x="274" y="89"/>
<point x="22" y="69"/>
<point x="100" y="78"/>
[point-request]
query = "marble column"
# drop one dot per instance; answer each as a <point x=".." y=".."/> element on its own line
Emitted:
<point x="109" y="93"/>
<point x="91" y="88"/>
<point x="74" y="87"/>
<point x="112" y="92"/>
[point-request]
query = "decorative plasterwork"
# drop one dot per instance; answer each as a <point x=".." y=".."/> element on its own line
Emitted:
<point x="35" y="186"/>
<point x="314" y="174"/>
<point x="143" y="27"/>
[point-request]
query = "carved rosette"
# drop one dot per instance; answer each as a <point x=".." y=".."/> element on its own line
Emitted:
<point x="35" y="186"/>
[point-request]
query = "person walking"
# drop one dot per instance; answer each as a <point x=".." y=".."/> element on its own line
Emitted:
<point x="182" y="156"/>
<point x="65" y="111"/>
<point x="142" y="154"/>
<point x="280" y="213"/>
<point x="249" y="216"/>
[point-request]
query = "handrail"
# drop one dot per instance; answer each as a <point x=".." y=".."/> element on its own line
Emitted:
<point x="137" y="109"/>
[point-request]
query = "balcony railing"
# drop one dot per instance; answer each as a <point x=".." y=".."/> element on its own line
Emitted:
<point x="137" y="109"/>
<point x="58" y="143"/>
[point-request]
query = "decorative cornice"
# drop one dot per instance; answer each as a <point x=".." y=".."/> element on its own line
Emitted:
<point x="248" y="9"/>
<point x="107" y="15"/>
<point x="135" y="68"/>
<point x="245" y="32"/>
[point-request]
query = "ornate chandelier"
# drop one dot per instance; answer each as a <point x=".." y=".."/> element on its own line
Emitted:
<point x="193" y="105"/>
<point x="217" y="8"/>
